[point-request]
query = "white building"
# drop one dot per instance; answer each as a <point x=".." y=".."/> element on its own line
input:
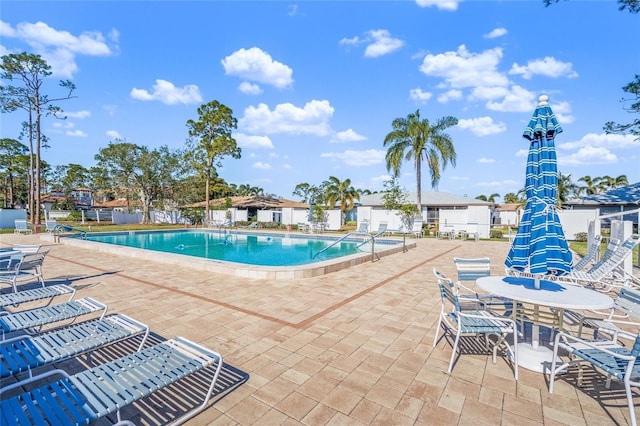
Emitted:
<point x="439" y="210"/>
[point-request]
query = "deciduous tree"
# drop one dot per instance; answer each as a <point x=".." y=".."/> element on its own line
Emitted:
<point x="32" y="71"/>
<point x="210" y="141"/>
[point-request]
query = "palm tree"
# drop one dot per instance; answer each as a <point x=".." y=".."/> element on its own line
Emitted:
<point x="343" y="192"/>
<point x="511" y="198"/>
<point x="566" y="189"/>
<point x="621" y="180"/>
<point x="491" y="198"/>
<point x="590" y="187"/>
<point x="415" y="139"/>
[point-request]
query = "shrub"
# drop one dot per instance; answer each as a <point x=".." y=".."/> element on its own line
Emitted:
<point x="495" y="233"/>
<point x="581" y="237"/>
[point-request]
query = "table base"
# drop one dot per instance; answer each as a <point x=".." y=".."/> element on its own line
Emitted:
<point x="535" y="359"/>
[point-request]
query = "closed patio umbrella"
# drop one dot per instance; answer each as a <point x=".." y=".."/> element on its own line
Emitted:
<point x="540" y="245"/>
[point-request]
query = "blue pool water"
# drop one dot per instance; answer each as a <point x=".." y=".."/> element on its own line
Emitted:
<point x="253" y="249"/>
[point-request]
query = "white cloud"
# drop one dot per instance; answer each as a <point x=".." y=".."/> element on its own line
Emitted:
<point x="450" y="95"/>
<point x="76" y="133"/>
<point x="350" y="41"/>
<point x="287" y="166"/>
<point x="461" y="69"/>
<point x="482" y="126"/>
<point x="548" y="66"/>
<point x="293" y="10"/>
<point x="78" y="114"/>
<point x="165" y="92"/>
<point x="260" y="165"/>
<point x="256" y="65"/>
<point x="513" y="99"/>
<point x="58" y="48"/>
<point x="500" y="184"/>
<point x="382" y="43"/>
<point x="312" y="119"/>
<point x="113" y="135"/>
<point x="484" y="160"/>
<point x="602" y="140"/>
<point x="588" y="155"/>
<point x="522" y="152"/>
<point x="562" y="111"/>
<point x="418" y="95"/>
<point x="347" y="136"/>
<point x="495" y="33"/>
<point x="249" y="89"/>
<point x="367" y="157"/>
<point x="257" y="142"/>
<point x="451" y="5"/>
<point x="63" y="124"/>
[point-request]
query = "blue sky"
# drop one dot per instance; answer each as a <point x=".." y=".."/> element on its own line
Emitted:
<point x="315" y="86"/>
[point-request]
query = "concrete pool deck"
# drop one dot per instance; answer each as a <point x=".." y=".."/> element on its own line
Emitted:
<point x="347" y="348"/>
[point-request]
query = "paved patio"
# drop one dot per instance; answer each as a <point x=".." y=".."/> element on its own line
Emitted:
<point x="347" y="348"/>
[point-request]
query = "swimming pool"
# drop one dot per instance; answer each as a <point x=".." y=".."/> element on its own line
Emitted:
<point x="251" y="254"/>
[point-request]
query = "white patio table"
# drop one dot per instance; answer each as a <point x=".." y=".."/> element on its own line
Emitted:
<point x="553" y="294"/>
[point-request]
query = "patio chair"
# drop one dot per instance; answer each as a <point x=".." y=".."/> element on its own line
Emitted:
<point x="624" y="314"/>
<point x="93" y="394"/>
<point x="50" y="225"/>
<point x="29" y="266"/>
<point x="32" y="295"/>
<point x="31" y="321"/>
<point x="460" y="322"/>
<point x="21" y="227"/>
<point x="471" y="270"/>
<point x="616" y="361"/>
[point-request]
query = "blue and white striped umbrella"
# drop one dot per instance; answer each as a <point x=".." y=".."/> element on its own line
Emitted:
<point x="540" y="245"/>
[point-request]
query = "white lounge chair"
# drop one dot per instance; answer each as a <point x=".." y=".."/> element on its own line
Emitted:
<point x="416" y="228"/>
<point x="27" y="248"/>
<point x="24" y="353"/>
<point x="593" y="252"/>
<point x="21" y="227"/>
<point x="32" y="295"/>
<point x="31" y="321"/>
<point x="605" y="275"/>
<point x="105" y="389"/>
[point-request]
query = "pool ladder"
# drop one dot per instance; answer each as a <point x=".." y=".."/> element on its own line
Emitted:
<point x="367" y="239"/>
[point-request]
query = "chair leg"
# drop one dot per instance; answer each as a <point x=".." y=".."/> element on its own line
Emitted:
<point x="453" y="352"/>
<point x="632" y="411"/>
<point x="435" y="339"/>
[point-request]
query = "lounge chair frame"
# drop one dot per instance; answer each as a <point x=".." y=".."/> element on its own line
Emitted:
<point x="31" y="321"/>
<point x="24" y="353"/>
<point x="105" y="389"/>
<point x="51" y="292"/>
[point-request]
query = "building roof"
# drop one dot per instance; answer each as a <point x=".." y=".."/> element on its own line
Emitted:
<point x="429" y="199"/>
<point x="626" y="195"/>
<point x="509" y="207"/>
<point x="254" y="201"/>
<point x="118" y="202"/>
